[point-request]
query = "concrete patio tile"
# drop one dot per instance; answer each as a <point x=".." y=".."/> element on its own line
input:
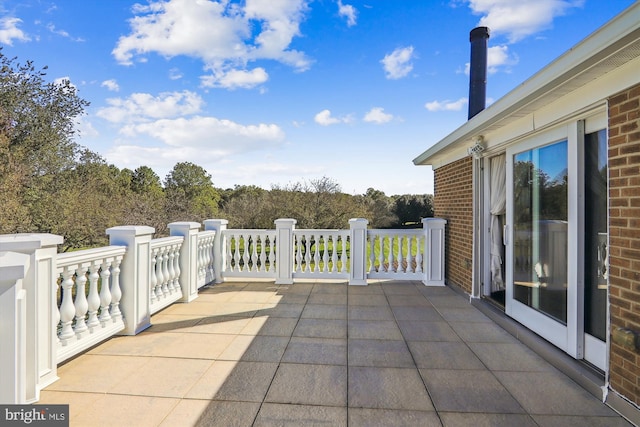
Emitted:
<point x="551" y="393"/>
<point x="123" y="410"/>
<point x="214" y="309"/>
<point x="321" y="351"/>
<point x="578" y="421"/>
<point x="427" y="331"/>
<point x="143" y="344"/>
<point x="289" y="298"/>
<point x="323" y="385"/>
<point x="248" y="348"/>
<point x="361" y="417"/>
<point x="408" y="301"/>
<point x="217" y="296"/>
<point x="423" y="314"/>
<point x="204" y="413"/>
<point x="482" y="332"/>
<point x="280" y="310"/>
<point x="509" y="357"/>
<point x="370" y="289"/>
<point x="468" y="391"/>
<point x="229" y="325"/>
<point x="254" y="296"/>
<point x="173" y="322"/>
<point x="437" y="291"/>
<point x="297" y="288"/>
<point x="451" y="301"/>
<point x="278" y="415"/>
<point x="387" y="388"/>
<point x="400" y="288"/>
<point x="96" y="373"/>
<point x="325" y="311"/>
<point x="329" y="288"/>
<point x="379" y="353"/>
<point x="468" y="314"/>
<point x="321" y="328"/>
<point x="444" y="355"/>
<point x="77" y="401"/>
<point x="270" y="326"/>
<point x="244" y="381"/>
<point x="363" y="312"/>
<point x="461" y="419"/>
<point x="194" y="346"/>
<point x="163" y="377"/>
<point x="335" y="299"/>
<point x="374" y="330"/>
<point x="368" y="299"/>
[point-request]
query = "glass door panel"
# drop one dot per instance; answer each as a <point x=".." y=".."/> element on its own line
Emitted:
<point x="540" y="230"/>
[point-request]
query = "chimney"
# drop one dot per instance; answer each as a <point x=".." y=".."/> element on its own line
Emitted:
<point x="478" y="70"/>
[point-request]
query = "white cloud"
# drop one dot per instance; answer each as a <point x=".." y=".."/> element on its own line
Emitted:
<point x="522" y="18"/>
<point x="397" y="64"/>
<point x="111" y="84"/>
<point x="63" y="33"/>
<point x="143" y="106"/>
<point x="9" y="31"/>
<point x="446" y="105"/>
<point x="175" y="74"/>
<point x="224" y="35"/>
<point x="349" y="12"/>
<point x="377" y="115"/>
<point x="324" y="118"/>
<point x="233" y="79"/>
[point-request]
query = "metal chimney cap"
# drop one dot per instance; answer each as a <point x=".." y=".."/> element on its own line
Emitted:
<point x="479" y="33"/>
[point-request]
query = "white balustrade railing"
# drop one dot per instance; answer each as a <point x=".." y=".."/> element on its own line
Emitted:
<point x="164" y="284"/>
<point x="395" y="254"/>
<point x="58" y="305"/>
<point x="89" y="302"/>
<point x="321" y="253"/>
<point x="249" y="253"/>
<point x="205" y="257"/>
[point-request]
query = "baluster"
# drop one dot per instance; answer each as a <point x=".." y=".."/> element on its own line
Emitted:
<point x="307" y="252"/>
<point x="419" y="246"/>
<point x="325" y="254"/>
<point x="165" y="271"/>
<point x="67" y="309"/>
<point x="57" y="312"/>
<point x="372" y="254"/>
<point x="116" y="292"/>
<point x="210" y="272"/>
<point x="391" y="268"/>
<point x="236" y="255"/>
<point x="409" y="257"/>
<point x="81" y="303"/>
<point x="105" y="291"/>
<point x="94" y="296"/>
<point x="345" y="240"/>
<point x="153" y="282"/>
<point x="298" y="253"/>
<point x="334" y="254"/>
<point x="159" y="274"/>
<point x="201" y="258"/>
<point x="176" y="267"/>
<point x="401" y="241"/>
<point x="381" y="259"/>
<point x="172" y="273"/>
<point x="272" y="256"/>
<point x="254" y="254"/>
<point x="245" y="253"/>
<point x="262" y="257"/>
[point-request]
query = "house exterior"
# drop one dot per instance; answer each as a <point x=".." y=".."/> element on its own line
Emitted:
<point x="541" y="193"/>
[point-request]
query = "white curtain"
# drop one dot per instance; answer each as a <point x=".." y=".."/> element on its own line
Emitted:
<point x="498" y="188"/>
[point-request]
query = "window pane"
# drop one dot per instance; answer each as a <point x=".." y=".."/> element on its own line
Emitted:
<point x="540" y="229"/>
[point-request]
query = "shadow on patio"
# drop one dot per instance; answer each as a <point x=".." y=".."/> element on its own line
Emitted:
<point x="259" y="354"/>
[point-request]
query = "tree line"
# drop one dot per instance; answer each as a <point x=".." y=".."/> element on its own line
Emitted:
<point x="51" y="184"/>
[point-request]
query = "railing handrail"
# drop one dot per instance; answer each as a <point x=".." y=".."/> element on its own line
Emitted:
<point x="67" y="259"/>
<point x="164" y="241"/>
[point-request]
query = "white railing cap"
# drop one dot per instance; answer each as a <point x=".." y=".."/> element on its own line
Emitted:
<point x="13" y="266"/>
<point x="136" y="230"/>
<point x="28" y="241"/>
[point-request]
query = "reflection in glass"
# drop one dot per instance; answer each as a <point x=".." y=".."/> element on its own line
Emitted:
<point x="595" y="221"/>
<point x="540" y="229"/>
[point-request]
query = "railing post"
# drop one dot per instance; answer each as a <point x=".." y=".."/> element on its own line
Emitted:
<point x="358" y="251"/>
<point x="41" y="314"/>
<point x="219" y="246"/>
<point x="284" y="250"/>
<point x="434" y="251"/>
<point x="13" y="334"/>
<point x="188" y="257"/>
<point x="135" y="275"/>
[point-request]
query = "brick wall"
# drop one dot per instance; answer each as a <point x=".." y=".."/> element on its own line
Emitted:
<point x="624" y="229"/>
<point x="453" y="201"/>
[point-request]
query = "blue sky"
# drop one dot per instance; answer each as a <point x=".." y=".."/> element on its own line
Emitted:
<point x="269" y="92"/>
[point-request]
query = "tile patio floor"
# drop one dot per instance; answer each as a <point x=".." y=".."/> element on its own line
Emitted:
<point x="311" y="354"/>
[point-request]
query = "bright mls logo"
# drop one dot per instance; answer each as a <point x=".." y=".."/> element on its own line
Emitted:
<point x="35" y="415"/>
